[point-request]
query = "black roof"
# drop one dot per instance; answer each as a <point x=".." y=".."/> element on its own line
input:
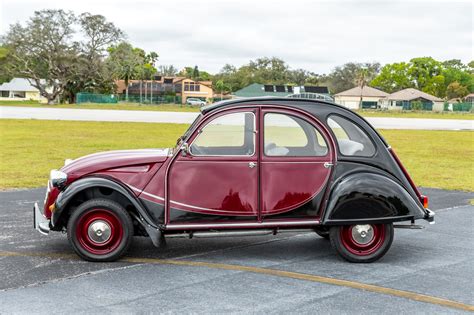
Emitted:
<point x="265" y="99"/>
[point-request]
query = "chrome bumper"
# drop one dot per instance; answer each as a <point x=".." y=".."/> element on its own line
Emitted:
<point x="41" y="224"/>
<point x="430" y="216"/>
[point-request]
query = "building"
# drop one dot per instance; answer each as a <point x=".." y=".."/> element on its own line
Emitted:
<point x="181" y="87"/>
<point x="410" y="99"/>
<point x="371" y="98"/>
<point x="259" y="90"/>
<point x="469" y="98"/>
<point x="19" y="89"/>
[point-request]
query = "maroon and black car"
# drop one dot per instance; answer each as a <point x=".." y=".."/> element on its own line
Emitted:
<point x="244" y="167"/>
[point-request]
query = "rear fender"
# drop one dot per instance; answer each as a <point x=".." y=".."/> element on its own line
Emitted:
<point x="369" y="197"/>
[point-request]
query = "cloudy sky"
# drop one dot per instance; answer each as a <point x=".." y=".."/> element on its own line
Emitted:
<point x="314" y="35"/>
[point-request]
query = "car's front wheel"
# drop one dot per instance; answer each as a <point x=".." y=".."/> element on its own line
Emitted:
<point x="100" y="230"/>
<point x="362" y="243"/>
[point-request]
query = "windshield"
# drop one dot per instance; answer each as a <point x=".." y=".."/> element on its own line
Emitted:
<point x="188" y="131"/>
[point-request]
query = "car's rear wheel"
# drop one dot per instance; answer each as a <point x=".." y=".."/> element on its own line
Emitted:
<point x="100" y="230"/>
<point x="362" y="243"/>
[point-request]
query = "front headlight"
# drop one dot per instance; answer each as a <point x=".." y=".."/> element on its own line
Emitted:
<point x="57" y="178"/>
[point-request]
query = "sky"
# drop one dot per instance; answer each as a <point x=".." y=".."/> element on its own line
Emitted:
<point x="313" y="35"/>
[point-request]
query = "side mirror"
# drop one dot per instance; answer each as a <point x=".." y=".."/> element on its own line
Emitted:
<point x="184" y="149"/>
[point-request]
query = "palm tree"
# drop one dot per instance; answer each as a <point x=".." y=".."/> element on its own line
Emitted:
<point x="362" y="79"/>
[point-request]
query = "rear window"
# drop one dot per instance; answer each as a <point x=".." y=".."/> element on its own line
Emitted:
<point x="351" y="140"/>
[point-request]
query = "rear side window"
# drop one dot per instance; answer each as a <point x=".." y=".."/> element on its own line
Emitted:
<point x="351" y="140"/>
<point x="286" y="135"/>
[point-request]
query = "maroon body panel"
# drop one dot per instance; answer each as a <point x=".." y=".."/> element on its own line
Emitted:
<point x="288" y="185"/>
<point x="114" y="159"/>
<point x="214" y="187"/>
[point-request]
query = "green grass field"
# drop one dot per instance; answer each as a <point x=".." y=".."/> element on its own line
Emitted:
<point x="120" y="106"/>
<point x="30" y="148"/>
<point x="186" y="108"/>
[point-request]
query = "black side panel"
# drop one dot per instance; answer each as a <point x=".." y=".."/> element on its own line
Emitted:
<point x="306" y="211"/>
<point x="156" y="210"/>
<point x="370" y="197"/>
<point x="89" y="182"/>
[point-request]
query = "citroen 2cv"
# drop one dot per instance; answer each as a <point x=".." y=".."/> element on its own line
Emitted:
<point x="244" y="167"/>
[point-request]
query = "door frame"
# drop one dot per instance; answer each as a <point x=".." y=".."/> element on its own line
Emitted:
<point x="216" y="158"/>
<point x="313" y="121"/>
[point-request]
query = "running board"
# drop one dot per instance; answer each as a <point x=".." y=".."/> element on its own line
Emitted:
<point x="208" y="234"/>
<point x="408" y="226"/>
<point x="242" y="225"/>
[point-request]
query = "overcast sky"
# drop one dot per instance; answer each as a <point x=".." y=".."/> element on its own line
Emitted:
<point x="314" y="35"/>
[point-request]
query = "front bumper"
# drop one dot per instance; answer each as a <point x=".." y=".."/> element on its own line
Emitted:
<point x="41" y="224"/>
<point x="429" y="216"/>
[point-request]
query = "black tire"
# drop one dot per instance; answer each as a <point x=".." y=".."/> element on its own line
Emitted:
<point x="354" y="252"/>
<point x="88" y="215"/>
<point x="324" y="233"/>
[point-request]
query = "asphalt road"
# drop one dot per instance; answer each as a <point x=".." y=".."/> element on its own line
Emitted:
<point x="187" y="118"/>
<point x="41" y="274"/>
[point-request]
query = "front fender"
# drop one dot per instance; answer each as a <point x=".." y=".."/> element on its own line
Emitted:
<point x="370" y="197"/>
<point x="80" y="185"/>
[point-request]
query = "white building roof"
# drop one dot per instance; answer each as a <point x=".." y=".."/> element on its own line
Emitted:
<point x="367" y="91"/>
<point x="18" y="85"/>
<point x="411" y="94"/>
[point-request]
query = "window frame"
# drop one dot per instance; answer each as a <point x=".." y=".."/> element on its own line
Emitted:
<point x="358" y="126"/>
<point x="204" y="124"/>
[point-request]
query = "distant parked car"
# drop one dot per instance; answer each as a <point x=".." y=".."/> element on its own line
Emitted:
<point x="244" y="167"/>
<point x="195" y="102"/>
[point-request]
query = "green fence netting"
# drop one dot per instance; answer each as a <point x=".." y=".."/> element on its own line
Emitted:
<point x="112" y="99"/>
<point x="459" y="107"/>
<point x="95" y="98"/>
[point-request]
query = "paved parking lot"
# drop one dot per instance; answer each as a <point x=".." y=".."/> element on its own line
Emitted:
<point x="426" y="271"/>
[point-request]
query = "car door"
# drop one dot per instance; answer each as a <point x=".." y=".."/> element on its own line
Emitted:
<point x="218" y="178"/>
<point x="297" y="155"/>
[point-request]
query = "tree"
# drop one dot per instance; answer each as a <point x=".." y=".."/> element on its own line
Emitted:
<point x="45" y="52"/>
<point x="167" y="70"/>
<point x="345" y="77"/>
<point x="195" y="74"/>
<point x="92" y="75"/>
<point x="124" y="63"/>
<point x="4" y="59"/>
<point x="456" y="90"/>
<point x="426" y="74"/>
<point x="221" y="87"/>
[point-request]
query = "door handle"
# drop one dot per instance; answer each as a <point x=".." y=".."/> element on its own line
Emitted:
<point x="252" y="164"/>
<point x="328" y="164"/>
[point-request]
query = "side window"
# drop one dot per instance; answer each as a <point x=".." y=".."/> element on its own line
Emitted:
<point x="231" y="134"/>
<point x="286" y="135"/>
<point x="351" y="140"/>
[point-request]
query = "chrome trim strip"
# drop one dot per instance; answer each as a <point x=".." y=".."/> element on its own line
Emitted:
<point x="145" y="193"/>
<point x="174" y="226"/>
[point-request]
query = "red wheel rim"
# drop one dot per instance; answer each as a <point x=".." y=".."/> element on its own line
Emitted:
<point x="362" y="244"/>
<point x="99" y="231"/>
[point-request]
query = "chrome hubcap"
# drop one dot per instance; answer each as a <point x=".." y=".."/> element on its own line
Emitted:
<point x="99" y="231"/>
<point x="362" y="234"/>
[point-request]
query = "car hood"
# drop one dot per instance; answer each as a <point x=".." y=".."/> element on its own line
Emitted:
<point x="114" y="159"/>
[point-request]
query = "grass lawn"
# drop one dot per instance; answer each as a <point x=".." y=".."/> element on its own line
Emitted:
<point x="30" y="148"/>
<point x="418" y="114"/>
<point x="121" y="106"/>
<point x="187" y="108"/>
